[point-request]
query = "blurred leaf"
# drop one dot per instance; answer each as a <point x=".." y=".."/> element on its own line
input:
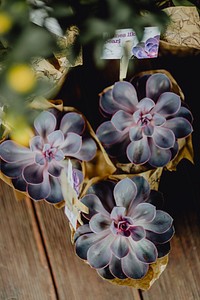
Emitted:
<point x="25" y="40"/>
<point x="182" y="3"/>
<point x="34" y="41"/>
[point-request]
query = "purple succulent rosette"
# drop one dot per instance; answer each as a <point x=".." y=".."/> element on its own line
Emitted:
<point x="124" y="232"/>
<point x="147" y="49"/>
<point x="144" y="122"/>
<point x="37" y="169"/>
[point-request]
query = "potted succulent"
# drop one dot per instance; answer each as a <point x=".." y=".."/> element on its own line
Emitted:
<point x="57" y="137"/>
<point x="125" y="236"/>
<point x="146" y="119"/>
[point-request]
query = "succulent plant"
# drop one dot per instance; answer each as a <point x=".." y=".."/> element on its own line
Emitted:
<point x="145" y="121"/>
<point x="124" y="232"/>
<point x="147" y="49"/>
<point x="37" y="169"/>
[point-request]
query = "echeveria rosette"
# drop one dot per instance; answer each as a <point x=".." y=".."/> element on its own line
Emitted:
<point x="147" y="49"/>
<point x="125" y="233"/>
<point x="143" y="130"/>
<point x="37" y="169"/>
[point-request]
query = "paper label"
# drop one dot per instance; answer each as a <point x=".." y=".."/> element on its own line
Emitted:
<point x="69" y="194"/>
<point x="114" y="47"/>
<point x="71" y="217"/>
<point x="73" y="206"/>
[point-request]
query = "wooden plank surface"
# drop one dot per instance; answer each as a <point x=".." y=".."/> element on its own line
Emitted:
<point x="37" y="259"/>
<point x="181" y="278"/>
<point x="24" y="269"/>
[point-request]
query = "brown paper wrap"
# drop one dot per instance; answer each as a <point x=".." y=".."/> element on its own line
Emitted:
<point x="154" y="272"/>
<point x="182" y="35"/>
<point x="55" y="69"/>
<point x="145" y="283"/>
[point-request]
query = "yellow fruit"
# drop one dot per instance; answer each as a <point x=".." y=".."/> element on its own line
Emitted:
<point x="19" y="130"/>
<point x="21" y="78"/>
<point x="22" y="135"/>
<point x="5" y="23"/>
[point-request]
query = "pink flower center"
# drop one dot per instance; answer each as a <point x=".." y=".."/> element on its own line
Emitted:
<point x="48" y="154"/>
<point x="122" y="227"/>
<point x="144" y="119"/>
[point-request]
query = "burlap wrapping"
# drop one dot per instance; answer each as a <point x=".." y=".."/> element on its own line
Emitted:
<point x="182" y="35"/>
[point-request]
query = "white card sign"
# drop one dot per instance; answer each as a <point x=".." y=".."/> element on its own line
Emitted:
<point x="114" y="47"/>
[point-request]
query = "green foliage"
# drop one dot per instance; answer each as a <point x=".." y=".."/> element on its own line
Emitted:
<point x="27" y="31"/>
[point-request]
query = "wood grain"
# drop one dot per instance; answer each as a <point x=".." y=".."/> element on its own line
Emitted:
<point x="24" y="269"/>
<point x="74" y="279"/>
<point x="181" y="278"/>
<point x="38" y="262"/>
